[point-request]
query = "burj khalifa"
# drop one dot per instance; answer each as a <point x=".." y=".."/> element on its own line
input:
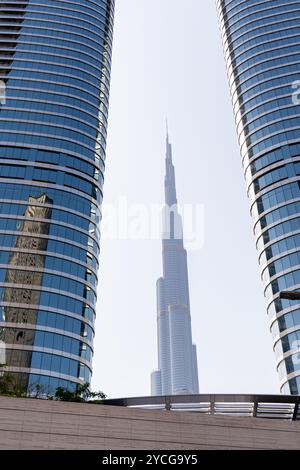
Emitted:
<point x="177" y="371"/>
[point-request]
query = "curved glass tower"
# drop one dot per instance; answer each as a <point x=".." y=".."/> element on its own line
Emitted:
<point x="54" y="74"/>
<point x="262" y="52"/>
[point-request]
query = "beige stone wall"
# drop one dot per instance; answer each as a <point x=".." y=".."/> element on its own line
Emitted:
<point x="39" y="424"/>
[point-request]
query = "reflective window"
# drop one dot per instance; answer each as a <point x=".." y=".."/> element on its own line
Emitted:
<point x="55" y="61"/>
<point x="277" y="214"/>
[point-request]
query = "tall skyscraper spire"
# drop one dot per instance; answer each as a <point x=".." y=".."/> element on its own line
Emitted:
<point x="167" y="129"/>
<point x="177" y="371"/>
<point x="170" y="188"/>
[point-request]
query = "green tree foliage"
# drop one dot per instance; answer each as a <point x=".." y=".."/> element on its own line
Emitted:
<point x="8" y="385"/>
<point x="83" y="394"/>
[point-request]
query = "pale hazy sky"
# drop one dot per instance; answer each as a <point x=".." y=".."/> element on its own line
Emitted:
<point x="168" y="61"/>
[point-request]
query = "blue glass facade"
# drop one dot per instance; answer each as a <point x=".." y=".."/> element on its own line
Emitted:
<point x="55" y="58"/>
<point x="262" y="51"/>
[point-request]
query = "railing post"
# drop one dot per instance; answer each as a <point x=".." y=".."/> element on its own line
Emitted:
<point x="168" y="404"/>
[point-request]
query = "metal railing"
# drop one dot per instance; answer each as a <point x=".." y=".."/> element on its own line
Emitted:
<point x="259" y="406"/>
